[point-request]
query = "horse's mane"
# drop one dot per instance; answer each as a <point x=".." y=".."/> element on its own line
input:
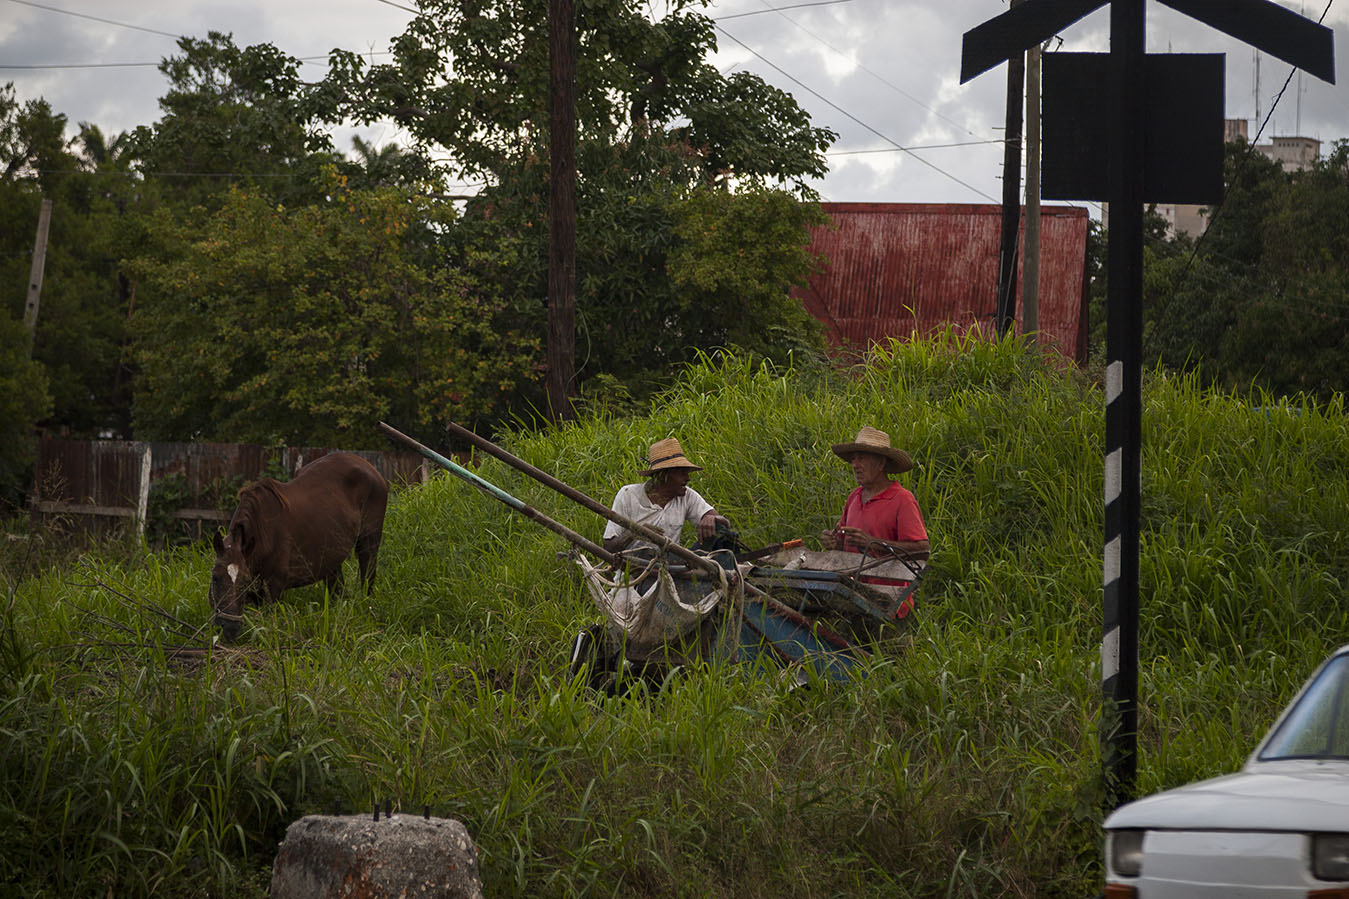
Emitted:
<point x="251" y="498"/>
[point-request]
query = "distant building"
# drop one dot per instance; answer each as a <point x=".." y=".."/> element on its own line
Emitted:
<point x="900" y="269"/>
<point x="1295" y="154"/>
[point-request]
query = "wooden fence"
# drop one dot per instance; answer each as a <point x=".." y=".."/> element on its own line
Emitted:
<point x="182" y="488"/>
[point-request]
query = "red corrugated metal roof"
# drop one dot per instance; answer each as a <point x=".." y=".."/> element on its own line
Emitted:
<point x="893" y="269"/>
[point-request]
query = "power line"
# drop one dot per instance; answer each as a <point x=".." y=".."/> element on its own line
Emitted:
<point x="969" y="143"/>
<point x="1241" y="166"/>
<point x="83" y="65"/>
<point x="894" y="87"/>
<point x="141" y="175"/>
<point x="117" y="65"/>
<point x="759" y="12"/>
<point x="400" y="6"/>
<point x="67" y="12"/>
<point x="854" y="118"/>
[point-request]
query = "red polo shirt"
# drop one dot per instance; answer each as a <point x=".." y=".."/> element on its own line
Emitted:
<point x="891" y="514"/>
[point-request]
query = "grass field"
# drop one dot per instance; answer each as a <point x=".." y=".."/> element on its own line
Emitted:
<point x="964" y="762"/>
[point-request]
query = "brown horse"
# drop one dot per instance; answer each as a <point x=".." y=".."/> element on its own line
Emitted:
<point x="293" y="534"/>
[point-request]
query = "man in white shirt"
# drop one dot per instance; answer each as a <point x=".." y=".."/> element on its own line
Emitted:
<point x="664" y="502"/>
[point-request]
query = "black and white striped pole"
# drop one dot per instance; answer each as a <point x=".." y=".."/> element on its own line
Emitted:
<point x="1123" y="408"/>
<point x="1099" y="151"/>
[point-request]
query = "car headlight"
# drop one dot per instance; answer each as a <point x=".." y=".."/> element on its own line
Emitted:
<point x="1330" y="856"/>
<point x="1126" y="852"/>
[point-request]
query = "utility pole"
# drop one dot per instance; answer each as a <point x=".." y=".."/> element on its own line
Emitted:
<point x="30" y="309"/>
<point x="1011" y="193"/>
<point x="561" y="207"/>
<point x="1030" y="285"/>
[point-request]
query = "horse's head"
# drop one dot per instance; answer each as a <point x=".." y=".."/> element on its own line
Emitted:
<point x="231" y="579"/>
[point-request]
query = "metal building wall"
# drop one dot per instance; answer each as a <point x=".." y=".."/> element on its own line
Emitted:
<point x="896" y="269"/>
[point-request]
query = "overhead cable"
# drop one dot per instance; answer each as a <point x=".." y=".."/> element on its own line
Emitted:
<point x="1241" y="167"/>
<point x="968" y="143"/>
<point x="759" y="12"/>
<point x="894" y="87"/>
<point x="67" y="12"/>
<point x="129" y="65"/>
<point x="936" y="168"/>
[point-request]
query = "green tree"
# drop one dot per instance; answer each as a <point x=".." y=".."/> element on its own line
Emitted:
<point x="82" y="314"/>
<point x="470" y="77"/>
<point x="309" y="325"/>
<point x="665" y="146"/>
<point x="386" y="166"/>
<point x="232" y="116"/>
<point x="32" y="141"/>
<point x="1263" y="297"/>
<point x="24" y="402"/>
<point x="732" y="268"/>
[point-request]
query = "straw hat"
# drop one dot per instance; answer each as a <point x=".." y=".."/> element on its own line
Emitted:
<point x="667" y="454"/>
<point x="870" y="440"/>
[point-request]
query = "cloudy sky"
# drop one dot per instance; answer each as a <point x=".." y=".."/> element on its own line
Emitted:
<point x="884" y="74"/>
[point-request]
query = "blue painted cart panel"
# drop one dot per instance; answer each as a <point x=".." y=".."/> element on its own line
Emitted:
<point x="765" y="633"/>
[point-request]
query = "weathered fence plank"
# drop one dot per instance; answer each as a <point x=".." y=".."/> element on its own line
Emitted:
<point x="95" y="485"/>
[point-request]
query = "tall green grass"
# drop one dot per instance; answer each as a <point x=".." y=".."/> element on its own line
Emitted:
<point x="963" y="762"/>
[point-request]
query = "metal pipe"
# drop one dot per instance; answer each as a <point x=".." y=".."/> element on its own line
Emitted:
<point x="655" y="536"/>
<point x="528" y="511"/>
<point x="651" y="534"/>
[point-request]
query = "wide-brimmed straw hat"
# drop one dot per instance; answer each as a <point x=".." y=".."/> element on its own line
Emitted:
<point x="667" y="453"/>
<point x="870" y="440"/>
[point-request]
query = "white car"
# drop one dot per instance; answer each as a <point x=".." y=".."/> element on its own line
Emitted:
<point x="1279" y="827"/>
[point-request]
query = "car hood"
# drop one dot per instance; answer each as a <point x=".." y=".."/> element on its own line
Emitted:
<point x="1300" y="795"/>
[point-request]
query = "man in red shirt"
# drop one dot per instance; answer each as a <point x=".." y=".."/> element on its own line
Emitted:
<point x="879" y="515"/>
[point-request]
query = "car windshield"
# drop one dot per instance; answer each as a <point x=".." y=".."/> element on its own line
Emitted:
<point x="1317" y="727"/>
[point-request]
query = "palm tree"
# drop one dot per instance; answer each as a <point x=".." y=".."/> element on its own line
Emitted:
<point x="388" y="165"/>
<point x="100" y="154"/>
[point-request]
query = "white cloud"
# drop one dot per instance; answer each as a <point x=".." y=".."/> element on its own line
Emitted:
<point x="886" y="70"/>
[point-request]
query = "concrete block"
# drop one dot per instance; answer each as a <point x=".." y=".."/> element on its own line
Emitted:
<point x="357" y="857"/>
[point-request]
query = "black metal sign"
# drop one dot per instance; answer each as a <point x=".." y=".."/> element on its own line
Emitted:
<point x="1182" y="132"/>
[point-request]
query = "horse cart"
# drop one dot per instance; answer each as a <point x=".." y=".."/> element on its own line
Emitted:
<point x="783" y="605"/>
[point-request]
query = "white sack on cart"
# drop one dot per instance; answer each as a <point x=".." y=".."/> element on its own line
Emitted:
<point x="651" y="620"/>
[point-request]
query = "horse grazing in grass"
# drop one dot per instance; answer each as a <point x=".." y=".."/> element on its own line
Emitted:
<point x="294" y="534"/>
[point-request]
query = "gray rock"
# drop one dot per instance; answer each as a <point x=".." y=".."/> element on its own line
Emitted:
<point x="356" y="857"/>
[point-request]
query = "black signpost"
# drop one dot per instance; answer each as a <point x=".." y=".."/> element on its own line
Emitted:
<point x="1105" y="118"/>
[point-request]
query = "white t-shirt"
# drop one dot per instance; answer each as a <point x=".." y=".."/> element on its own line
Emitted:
<point x="632" y="503"/>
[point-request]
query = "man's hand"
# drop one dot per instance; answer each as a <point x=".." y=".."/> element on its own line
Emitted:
<point x="855" y="536"/>
<point x="617" y="543"/>
<point x="707" y="525"/>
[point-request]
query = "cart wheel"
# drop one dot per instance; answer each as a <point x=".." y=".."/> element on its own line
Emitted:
<point x="653" y="676"/>
<point x="587" y="652"/>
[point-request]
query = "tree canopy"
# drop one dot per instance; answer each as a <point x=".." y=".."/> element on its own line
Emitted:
<point x="1263" y="297"/>
<point x="470" y="78"/>
<point x="232" y="115"/>
<point x="673" y="158"/>
<point x="263" y="323"/>
<point x="225" y="273"/>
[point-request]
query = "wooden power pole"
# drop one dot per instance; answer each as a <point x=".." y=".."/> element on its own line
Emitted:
<point x="1030" y="276"/>
<point x="1011" y="193"/>
<point x="30" y="308"/>
<point x="561" y="207"/>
